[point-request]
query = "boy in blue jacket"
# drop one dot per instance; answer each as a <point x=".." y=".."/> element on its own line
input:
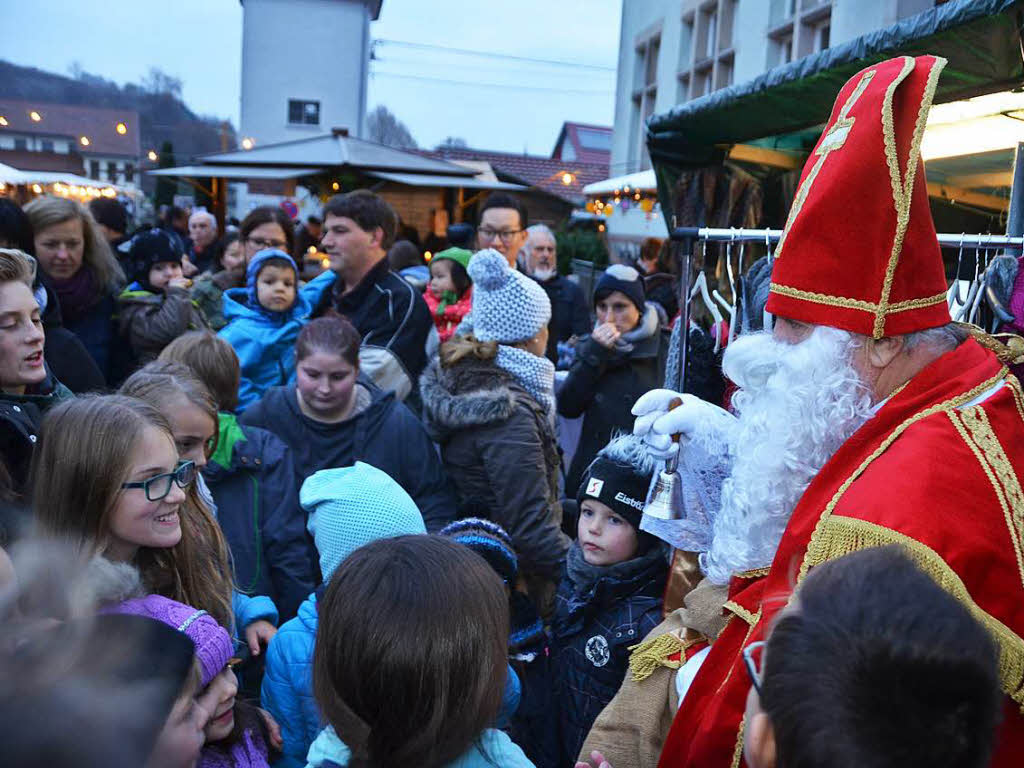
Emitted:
<point x="264" y="319"/>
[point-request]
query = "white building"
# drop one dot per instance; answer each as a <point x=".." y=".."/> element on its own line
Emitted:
<point x="304" y="67"/>
<point x="672" y="51"/>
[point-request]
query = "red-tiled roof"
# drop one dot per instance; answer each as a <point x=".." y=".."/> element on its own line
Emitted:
<point x="64" y="120"/>
<point x="533" y="170"/>
<point x="591" y="143"/>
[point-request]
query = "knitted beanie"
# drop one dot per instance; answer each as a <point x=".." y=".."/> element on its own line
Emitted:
<point x="490" y="541"/>
<point x="256" y="264"/>
<point x="461" y="255"/>
<point x="213" y="643"/>
<point x="507" y="305"/>
<point x="619" y="277"/>
<point x="352" y="506"/>
<point x="149" y="248"/>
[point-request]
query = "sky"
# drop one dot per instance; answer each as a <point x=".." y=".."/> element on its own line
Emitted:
<point x="496" y="101"/>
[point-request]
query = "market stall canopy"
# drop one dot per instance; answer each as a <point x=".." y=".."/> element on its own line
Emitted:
<point x="233" y="172"/>
<point x="335" y="150"/>
<point x="643" y="180"/>
<point x="12" y="175"/>
<point x="981" y="39"/>
<point x="428" y="180"/>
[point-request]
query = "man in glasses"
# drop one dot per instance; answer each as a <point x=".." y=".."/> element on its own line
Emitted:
<point x="502" y="226"/>
<point x="390" y="315"/>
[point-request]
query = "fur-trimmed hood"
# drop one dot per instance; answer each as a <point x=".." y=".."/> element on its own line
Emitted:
<point x="468" y="394"/>
<point x="111" y="583"/>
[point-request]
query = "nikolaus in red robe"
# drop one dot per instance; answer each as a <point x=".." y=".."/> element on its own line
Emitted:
<point x="935" y="469"/>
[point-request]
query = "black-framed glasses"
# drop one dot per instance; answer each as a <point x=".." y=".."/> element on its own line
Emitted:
<point x="260" y="244"/>
<point x="752" y="656"/>
<point x="158" y="487"/>
<point x="506" y="236"/>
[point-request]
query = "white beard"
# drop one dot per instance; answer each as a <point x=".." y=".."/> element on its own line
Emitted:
<point x="797" y="404"/>
<point x="543" y="275"/>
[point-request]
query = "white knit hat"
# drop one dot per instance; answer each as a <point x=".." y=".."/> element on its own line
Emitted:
<point x="508" y="306"/>
<point x="352" y="506"/>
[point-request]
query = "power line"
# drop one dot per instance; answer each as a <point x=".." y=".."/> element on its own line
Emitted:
<point x="489" y="54"/>
<point x="506" y="86"/>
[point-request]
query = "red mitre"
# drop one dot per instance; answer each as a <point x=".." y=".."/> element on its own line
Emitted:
<point x="859" y="250"/>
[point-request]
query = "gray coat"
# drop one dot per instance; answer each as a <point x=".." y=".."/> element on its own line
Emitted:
<point x="499" y="449"/>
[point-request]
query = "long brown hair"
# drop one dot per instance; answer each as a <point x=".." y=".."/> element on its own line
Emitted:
<point x="197" y="571"/>
<point x="460" y="347"/>
<point x="411" y="651"/>
<point x="48" y="211"/>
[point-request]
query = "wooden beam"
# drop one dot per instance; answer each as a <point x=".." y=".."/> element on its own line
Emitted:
<point x="965" y="196"/>
<point x="774" y="158"/>
<point x="975" y="180"/>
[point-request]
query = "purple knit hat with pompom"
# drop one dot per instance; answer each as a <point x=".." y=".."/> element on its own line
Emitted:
<point x="213" y="643"/>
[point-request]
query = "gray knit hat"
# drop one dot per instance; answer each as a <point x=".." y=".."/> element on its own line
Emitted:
<point x="508" y="306"/>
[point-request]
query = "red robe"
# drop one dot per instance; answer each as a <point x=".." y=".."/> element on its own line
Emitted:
<point x="930" y="471"/>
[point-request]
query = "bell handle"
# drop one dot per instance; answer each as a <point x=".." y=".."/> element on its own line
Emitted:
<point x="674" y="403"/>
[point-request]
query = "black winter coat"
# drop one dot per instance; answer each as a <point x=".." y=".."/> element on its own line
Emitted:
<point x="20" y="419"/>
<point x="386" y="435"/>
<point x="594" y="626"/>
<point x="570" y="315"/>
<point x="66" y="356"/>
<point x="252" y="479"/>
<point x="499" y="449"/>
<point x="602" y="386"/>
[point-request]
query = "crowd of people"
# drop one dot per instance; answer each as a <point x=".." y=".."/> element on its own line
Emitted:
<point x="255" y="516"/>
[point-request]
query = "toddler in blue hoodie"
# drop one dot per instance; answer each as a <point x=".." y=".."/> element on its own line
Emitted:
<point x="264" y="320"/>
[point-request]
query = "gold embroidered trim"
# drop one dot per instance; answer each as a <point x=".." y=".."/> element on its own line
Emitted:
<point x="647" y="656"/>
<point x="1008" y="347"/>
<point x="1018" y="395"/>
<point x="843" y="123"/>
<point x="740" y="611"/>
<point x="737" y="753"/>
<point x="953" y="402"/>
<point x="1007" y="489"/>
<point x="902" y="188"/>
<point x="842" y="301"/>
<point x="842" y="535"/>
<point x="756" y="573"/>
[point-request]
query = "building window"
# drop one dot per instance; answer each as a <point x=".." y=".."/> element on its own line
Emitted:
<point x="94" y="169"/>
<point x="645" y="94"/>
<point x="112" y="171"/>
<point x="707" y="33"/>
<point x="47" y="145"/>
<point x="303" y="112"/>
<point x="21" y="144"/>
<point x="129" y="172"/>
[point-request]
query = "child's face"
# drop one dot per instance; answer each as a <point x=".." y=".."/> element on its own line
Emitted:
<point x="605" y="537"/>
<point x="325" y="382"/>
<point x="161" y="273"/>
<point x="135" y="521"/>
<point x="275" y="288"/>
<point x="441" y="277"/>
<point x="218" y="698"/>
<point x="233" y="259"/>
<point x="193" y="429"/>
<point x="181" y="739"/>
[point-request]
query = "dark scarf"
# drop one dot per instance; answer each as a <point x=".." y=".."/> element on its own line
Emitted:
<point x="77" y="295"/>
<point x="584" y="576"/>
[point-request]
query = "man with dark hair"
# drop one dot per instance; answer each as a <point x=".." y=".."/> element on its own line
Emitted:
<point x="112" y="218"/>
<point x="389" y="314"/>
<point x="307" y="236"/>
<point x="503" y="223"/>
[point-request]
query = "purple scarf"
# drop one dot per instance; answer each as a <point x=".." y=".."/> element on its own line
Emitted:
<point x="76" y="295"/>
<point x="248" y="752"/>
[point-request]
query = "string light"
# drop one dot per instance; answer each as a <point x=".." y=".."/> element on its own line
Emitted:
<point x="335" y="186"/>
<point x="248" y="143"/>
<point x="152" y="155"/>
<point x="122" y="128"/>
<point x="35" y="116"/>
<point x="84" y="141"/>
<point x="427" y="256"/>
<point x="311" y="250"/>
<point x="37" y="189"/>
<point x="3" y="121"/>
<point x="325" y="263"/>
<point x="567" y="178"/>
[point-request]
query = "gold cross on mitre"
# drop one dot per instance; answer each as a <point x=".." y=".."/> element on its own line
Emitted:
<point x="833" y="139"/>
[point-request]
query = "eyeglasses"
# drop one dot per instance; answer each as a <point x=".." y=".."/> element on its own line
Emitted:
<point x="752" y="658"/>
<point x="158" y="487"/>
<point x="260" y="244"/>
<point x="506" y="236"/>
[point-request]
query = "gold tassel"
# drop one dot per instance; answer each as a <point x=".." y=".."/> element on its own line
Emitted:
<point x="651" y="654"/>
<point x="1008" y="347"/>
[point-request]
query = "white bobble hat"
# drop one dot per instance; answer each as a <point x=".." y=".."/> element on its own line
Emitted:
<point x="508" y="306"/>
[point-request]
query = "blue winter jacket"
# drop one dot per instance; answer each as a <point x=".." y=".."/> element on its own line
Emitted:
<point x="594" y="625"/>
<point x="265" y="341"/>
<point x="252" y="480"/>
<point x="287" y="692"/>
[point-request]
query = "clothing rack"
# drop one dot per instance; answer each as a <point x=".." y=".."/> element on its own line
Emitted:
<point x="723" y="235"/>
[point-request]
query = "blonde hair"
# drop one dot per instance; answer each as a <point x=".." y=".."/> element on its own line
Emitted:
<point x="16" y="267"/>
<point x="460" y="347"/>
<point x="83" y="457"/>
<point x="48" y="211"/>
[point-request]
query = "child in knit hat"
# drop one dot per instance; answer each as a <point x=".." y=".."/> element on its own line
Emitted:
<point x="235" y="733"/>
<point x="157" y="307"/>
<point x="348" y="507"/>
<point x="610" y="596"/>
<point x="264" y="320"/>
<point x="449" y="293"/>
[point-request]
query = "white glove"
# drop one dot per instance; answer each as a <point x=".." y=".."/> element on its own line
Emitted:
<point x="695" y="418"/>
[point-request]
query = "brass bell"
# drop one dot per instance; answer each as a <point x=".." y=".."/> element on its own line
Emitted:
<point x="666" y="499"/>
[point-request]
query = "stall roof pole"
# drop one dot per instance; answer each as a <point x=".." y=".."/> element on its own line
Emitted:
<point x="1015" y="219"/>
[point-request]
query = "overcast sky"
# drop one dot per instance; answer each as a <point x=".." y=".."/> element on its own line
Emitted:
<point x="495" y="103"/>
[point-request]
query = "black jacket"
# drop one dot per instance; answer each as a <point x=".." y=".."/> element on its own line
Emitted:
<point x="569" y="313"/>
<point x="393" y="320"/>
<point x="21" y="416"/>
<point x="602" y="386"/>
<point x="595" y="624"/>
<point x="65" y="354"/>
<point x="386" y="435"/>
